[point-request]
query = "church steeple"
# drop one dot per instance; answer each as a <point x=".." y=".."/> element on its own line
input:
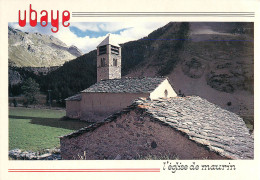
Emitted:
<point x="108" y="59"/>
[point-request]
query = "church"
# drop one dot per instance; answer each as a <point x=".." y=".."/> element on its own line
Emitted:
<point x="142" y="117"/>
<point x="112" y="93"/>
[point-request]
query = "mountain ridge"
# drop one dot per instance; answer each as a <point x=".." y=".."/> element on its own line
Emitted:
<point x="38" y="50"/>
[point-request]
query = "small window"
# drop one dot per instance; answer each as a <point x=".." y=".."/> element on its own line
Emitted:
<point x="114" y="62"/>
<point x="102" y="50"/>
<point x="114" y="50"/>
<point x="166" y="93"/>
<point x="103" y="62"/>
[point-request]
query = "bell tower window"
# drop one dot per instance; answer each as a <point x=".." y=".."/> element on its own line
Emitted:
<point x="114" y="50"/>
<point x="114" y="62"/>
<point x="102" y="50"/>
<point x="103" y="62"/>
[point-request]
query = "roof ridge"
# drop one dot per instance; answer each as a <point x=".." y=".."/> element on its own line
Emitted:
<point x="76" y="97"/>
<point x="127" y="85"/>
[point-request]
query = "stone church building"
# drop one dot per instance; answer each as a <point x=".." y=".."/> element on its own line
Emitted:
<point x="112" y="93"/>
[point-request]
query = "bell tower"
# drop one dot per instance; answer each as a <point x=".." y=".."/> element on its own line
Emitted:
<point x="108" y="60"/>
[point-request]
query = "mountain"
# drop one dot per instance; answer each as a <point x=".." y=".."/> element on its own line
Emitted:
<point x="75" y="51"/>
<point x="216" y="63"/>
<point x="27" y="49"/>
<point x="211" y="60"/>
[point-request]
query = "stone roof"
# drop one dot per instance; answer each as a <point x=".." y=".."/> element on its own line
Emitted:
<point x="201" y="121"/>
<point x="126" y="85"/>
<point x="109" y="40"/>
<point x="76" y="97"/>
<point x="205" y="123"/>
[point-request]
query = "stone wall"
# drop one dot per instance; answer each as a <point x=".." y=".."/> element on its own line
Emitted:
<point x="131" y="135"/>
<point x="114" y="71"/>
<point x="97" y="106"/>
<point x="102" y="73"/>
<point x="73" y="109"/>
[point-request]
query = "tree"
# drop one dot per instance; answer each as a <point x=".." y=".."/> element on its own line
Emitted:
<point x="30" y="88"/>
<point x="15" y="102"/>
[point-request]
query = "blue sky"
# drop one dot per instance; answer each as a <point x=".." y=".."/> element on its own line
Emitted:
<point x="94" y="34"/>
<point x="87" y="35"/>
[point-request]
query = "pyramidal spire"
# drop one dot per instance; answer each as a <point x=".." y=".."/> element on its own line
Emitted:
<point x="110" y="39"/>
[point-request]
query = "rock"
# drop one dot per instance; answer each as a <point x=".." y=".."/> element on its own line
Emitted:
<point x="47" y="150"/>
<point x="29" y="155"/>
<point x="14" y="153"/>
<point x="118" y="157"/>
<point x="129" y="157"/>
<point x="44" y="156"/>
<point x="56" y="151"/>
<point x="193" y="68"/>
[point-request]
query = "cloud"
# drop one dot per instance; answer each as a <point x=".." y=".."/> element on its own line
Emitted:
<point x="87" y="35"/>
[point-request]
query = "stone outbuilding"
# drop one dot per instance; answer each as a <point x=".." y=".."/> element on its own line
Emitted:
<point x="182" y="127"/>
<point x="73" y="106"/>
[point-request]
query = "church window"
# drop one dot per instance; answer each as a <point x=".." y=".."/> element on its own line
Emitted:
<point x="102" y="50"/>
<point x="166" y="93"/>
<point x="114" y="50"/>
<point x="103" y="62"/>
<point x="114" y="62"/>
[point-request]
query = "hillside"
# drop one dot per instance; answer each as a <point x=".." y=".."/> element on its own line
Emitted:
<point x="27" y="49"/>
<point x="216" y="63"/>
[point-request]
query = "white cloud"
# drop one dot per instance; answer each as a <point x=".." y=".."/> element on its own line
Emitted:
<point x="86" y="26"/>
<point x="133" y="31"/>
<point x="136" y="30"/>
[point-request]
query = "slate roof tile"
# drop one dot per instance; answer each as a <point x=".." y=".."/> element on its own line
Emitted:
<point x="126" y="85"/>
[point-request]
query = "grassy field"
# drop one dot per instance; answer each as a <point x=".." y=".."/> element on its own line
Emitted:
<point x="38" y="129"/>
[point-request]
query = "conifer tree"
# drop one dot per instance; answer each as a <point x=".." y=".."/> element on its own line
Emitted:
<point x="30" y="89"/>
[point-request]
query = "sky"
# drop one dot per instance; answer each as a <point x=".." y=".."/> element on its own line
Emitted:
<point x="87" y="35"/>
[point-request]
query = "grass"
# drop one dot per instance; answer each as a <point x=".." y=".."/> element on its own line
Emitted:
<point x="38" y="129"/>
<point x="249" y="121"/>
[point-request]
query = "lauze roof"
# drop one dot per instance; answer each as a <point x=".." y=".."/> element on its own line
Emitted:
<point x="205" y="123"/>
<point x="126" y="85"/>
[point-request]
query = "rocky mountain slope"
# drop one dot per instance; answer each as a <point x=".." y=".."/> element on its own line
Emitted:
<point x="38" y="50"/>
<point x="216" y="63"/>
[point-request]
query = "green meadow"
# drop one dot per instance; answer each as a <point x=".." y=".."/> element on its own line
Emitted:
<point x="38" y="129"/>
